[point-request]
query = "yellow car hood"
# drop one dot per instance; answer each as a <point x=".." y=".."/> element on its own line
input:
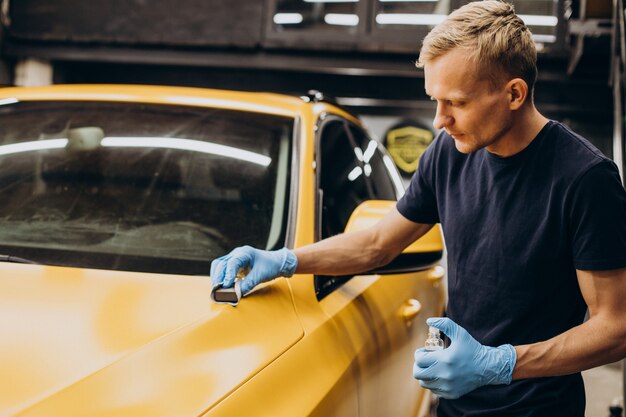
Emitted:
<point x="111" y="343"/>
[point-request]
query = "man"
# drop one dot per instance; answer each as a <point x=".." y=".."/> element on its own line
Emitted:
<point x="535" y="224"/>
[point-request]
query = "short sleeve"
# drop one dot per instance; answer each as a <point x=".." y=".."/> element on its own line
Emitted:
<point x="597" y="219"/>
<point x="419" y="203"/>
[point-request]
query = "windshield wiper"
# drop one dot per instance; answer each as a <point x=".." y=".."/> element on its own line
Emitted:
<point x="16" y="259"/>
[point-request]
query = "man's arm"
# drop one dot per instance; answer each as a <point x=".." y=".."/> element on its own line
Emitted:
<point x="343" y="254"/>
<point x="600" y="340"/>
<point x="467" y="365"/>
<point x="351" y="253"/>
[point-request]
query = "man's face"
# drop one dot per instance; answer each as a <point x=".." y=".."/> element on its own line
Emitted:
<point x="469" y="108"/>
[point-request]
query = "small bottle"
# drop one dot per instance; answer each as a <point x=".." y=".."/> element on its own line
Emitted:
<point x="434" y="341"/>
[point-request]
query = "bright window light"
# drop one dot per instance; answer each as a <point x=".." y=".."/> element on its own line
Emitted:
<point x="36" y="145"/>
<point x="544" y="38"/>
<point x="341" y="19"/>
<point x="538" y="20"/>
<point x="408" y="1"/>
<point x="287" y="18"/>
<point x="434" y="19"/>
<point x="355" y="173"/>
<point x="397" y="181"/>
<point x="187" y="145"/>
<point x="359" y="153"/>
<point x="368" y="169"/>
<point x="369" y="152"/>
<point x="409" y="19"/>
<point x="8" y="101"/>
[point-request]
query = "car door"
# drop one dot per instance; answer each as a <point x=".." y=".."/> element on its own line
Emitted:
<point x="412" y="297"/>
<point x="382" y="317"/>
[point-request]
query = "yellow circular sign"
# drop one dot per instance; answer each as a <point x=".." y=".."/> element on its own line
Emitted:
<point x="406" y="144"/>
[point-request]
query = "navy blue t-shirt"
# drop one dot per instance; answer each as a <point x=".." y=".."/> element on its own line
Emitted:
<point x="516" y="229"/>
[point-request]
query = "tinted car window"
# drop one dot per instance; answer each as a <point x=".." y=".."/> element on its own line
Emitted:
<point x="144" y="187"/>
<point x="342" y="179"/>
<point x="342" y="187"/>
<point x="373" y="166"/>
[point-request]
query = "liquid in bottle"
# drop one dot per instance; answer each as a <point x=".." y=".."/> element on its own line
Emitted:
<point x="434" y="341"/>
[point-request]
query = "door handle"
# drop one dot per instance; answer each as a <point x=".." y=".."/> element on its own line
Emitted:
<point x="436" y="274"/>
<point x="410" y="310"/>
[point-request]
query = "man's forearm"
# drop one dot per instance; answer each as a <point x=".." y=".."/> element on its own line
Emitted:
<point x="342" y="254"/>
<point x="356" y="252"/>
<point x="598" y="341"/>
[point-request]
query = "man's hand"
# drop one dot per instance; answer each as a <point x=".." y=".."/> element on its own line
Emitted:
<point x="464" y="366"/>
<point x="264" y="266"/>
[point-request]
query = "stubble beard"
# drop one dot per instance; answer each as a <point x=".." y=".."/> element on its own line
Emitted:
<point x="474" y="145"/>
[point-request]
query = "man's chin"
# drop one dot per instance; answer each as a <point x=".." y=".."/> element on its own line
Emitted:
<point x="465" y="147"/>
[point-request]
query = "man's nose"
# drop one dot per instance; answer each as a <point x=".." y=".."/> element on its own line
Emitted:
<point x="441" y="119"/>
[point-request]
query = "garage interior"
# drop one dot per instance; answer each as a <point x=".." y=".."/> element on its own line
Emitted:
<point x="360" y="52"/>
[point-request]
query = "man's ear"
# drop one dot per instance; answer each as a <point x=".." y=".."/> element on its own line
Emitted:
<point x="517" y="91"/>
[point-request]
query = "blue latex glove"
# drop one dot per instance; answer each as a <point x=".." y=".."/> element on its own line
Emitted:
<point x="465" y="365"/>
<point x="264" y="266"/>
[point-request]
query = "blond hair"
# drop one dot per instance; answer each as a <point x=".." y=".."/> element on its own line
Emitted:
<point x="500" y="43"/>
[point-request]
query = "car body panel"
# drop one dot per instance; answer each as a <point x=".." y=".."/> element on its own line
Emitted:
<point x="370" y="310"/>
<point x="316" y="378"/>
<point x="94" y="342"/>
<point x="254" y="102"/>
<point x="155" y="345"/>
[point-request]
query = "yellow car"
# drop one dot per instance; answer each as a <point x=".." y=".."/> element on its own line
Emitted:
<point x="115" y="200"/>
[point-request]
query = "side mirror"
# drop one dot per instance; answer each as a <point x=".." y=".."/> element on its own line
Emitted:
<point x="419" y="255"/>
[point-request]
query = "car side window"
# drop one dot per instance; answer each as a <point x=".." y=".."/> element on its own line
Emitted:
<point x="342" y="181"/>
<point x="374" y="168"/>
<point x="342" y="186"/>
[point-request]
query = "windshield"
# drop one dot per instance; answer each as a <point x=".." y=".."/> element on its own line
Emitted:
<point x="143" y="187"/>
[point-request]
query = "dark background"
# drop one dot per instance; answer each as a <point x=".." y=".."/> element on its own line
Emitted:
<point x="369" y="68"/>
